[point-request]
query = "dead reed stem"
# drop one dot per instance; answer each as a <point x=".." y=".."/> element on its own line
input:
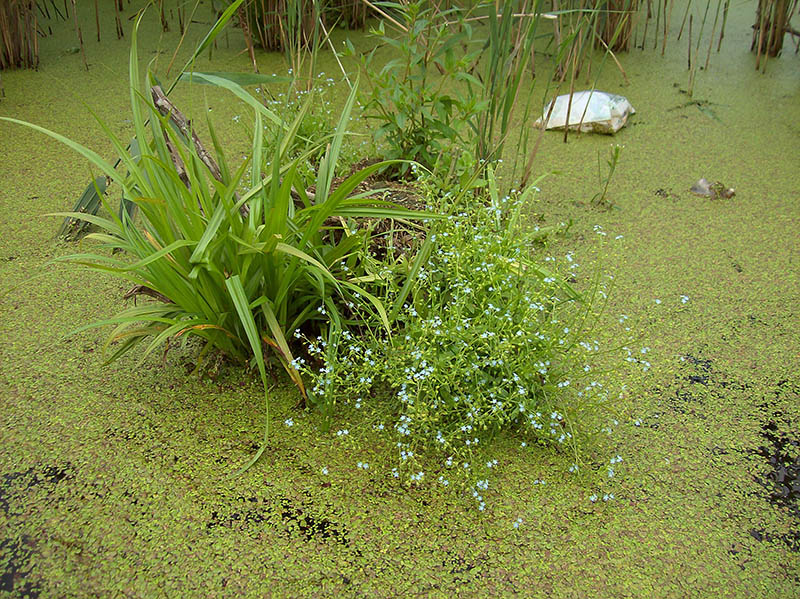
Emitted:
<point x="19" y="46"/>
<point x="97" y="19"/>
<point x="80" y="35"/>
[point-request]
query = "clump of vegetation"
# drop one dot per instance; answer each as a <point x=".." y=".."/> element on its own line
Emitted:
<point x="601" y="197"/>
<point x="489" y="340"/>
<point x="237" y="271"/>
<point x="470" y="333"/>
<point x="423" y="100"/>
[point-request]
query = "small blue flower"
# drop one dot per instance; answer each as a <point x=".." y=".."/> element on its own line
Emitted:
<point x="289" y="422"/>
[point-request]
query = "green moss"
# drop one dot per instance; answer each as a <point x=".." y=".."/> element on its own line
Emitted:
<point x="113" y="480"/>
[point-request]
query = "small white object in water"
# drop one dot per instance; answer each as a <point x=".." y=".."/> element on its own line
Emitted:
<point x="590" y="110"/>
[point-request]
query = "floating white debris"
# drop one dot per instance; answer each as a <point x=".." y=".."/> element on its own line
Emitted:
<point x="589" y="111"/>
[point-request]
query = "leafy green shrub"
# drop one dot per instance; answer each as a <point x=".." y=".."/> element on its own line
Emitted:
<point x="424" y="98"/>
<point x="489" y="340"/>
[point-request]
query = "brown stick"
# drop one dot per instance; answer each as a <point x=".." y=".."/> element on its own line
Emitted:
<point x="666" y="22"/>
<point x="386" y="16"/>
<point x="120" y="31"/>
<point x="168" y="109"/>
<point x="144" y="290"/>
<point x="97" y="19"/>
<point x="614" y="58"/>
<point x="177" y="161"/>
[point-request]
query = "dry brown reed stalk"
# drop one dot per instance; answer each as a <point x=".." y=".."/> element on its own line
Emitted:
<point x="117" y="10"/>
<point x="263" y="17"/>
<point x="162" y="15"/>
<point x="19" y="45"/>
<point x="769" y="30"/>
<point x="666" y="25"/>
<point x="617" y="19"/>
<point x="97" y="19"/>
<point x="78" y="32"/>
<point x="268" y="22"/>
<point x="248" y="39"/>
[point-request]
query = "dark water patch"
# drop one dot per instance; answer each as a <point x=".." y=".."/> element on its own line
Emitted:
<point x="297" y="520"/>
<point x="15" y="554"/>
<point x="790" y="540"/>
<point x="310" y="526"/>
<point x="701" y="364"/>
<point x="734" y="385"/>
<point x="697" y="382"/>
<point x="665" y="194"/>
<point x="123" y="434"/>
<point x="781" y="451"/>
<point x="24" y="480"/>
<point x="461" y="567"/>
<point x="682" y="400"/>
<point x="16" y="551"/>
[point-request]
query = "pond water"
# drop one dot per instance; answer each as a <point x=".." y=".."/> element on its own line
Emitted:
<point x="113" y="479"/>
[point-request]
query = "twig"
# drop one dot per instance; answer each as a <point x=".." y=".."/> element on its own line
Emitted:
<point x="97" y="19"/>
<point x="120" y="30"/>
<point x="144" y="290"/>
<point x="177" y="161"/>
<point x="167" y="108"/>
<point x="335" y="54"/>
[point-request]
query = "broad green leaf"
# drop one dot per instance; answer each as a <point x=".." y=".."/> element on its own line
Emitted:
<point x="237" y="295"/>
<point x="88" y="203"/>
<point x="241" y="79"/>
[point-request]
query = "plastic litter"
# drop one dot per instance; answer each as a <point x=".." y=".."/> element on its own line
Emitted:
<point x="715" y="191"/>
<point x="595" y="111"/>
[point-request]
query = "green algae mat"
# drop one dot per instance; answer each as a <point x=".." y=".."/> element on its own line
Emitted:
<point x="114" y="480"/>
